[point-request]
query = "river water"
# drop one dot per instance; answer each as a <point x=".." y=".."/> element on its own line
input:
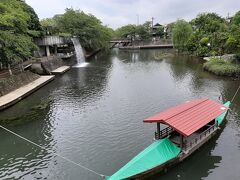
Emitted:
<point x="94" y="116"/>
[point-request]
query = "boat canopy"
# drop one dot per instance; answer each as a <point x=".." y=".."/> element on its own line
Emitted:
<point x="190" y="116"/>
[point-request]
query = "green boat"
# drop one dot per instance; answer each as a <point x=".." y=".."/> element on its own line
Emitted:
<point x="186" y="127"/>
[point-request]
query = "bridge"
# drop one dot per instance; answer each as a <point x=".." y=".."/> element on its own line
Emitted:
<point x="138" y="44"/>
<point x="46" y="42"/>
<point x="120" y="42"/>
<point x="153" y="46"/>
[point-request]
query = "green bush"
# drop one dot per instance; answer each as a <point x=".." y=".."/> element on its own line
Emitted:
<point x="237" y="57"/>
<point x="221" y="67"/>
<point x="204" y="41"/>
<point x="202" y="51"/>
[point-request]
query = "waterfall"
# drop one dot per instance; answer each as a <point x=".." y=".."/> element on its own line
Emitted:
<point x="79" y="53"/>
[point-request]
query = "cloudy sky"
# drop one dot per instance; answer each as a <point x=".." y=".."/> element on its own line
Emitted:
<point x="116" y="13"/>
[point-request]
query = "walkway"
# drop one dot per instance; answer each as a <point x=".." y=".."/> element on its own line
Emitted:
<point x="18" y="94"/>
<point x="61" y="70"/>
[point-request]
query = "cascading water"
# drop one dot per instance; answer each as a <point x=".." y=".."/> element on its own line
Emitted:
<point x="79" y="53"/>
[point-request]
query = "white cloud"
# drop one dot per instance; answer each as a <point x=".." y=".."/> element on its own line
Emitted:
<point x="116" y="13"/>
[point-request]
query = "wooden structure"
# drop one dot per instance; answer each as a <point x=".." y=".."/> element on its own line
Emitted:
<point x="120" y="42"/>
<point x="186" y="128"/>
<point x="51" y="43"/>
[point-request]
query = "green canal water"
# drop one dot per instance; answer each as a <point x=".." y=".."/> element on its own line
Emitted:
<point x="94" y="116"/>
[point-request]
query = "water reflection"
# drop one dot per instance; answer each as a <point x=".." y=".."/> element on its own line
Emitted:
<point x="24" y="159"/>
<point x="95" y="117"/>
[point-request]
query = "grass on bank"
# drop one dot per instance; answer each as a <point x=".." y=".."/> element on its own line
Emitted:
<point x="222" y="68"/>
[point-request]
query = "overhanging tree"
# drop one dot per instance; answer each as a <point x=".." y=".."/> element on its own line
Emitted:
<point x="17" y="20"/>
<point x="90" y="31"/>
<point x="182" y="32"/>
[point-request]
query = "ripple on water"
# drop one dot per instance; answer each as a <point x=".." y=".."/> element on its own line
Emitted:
<point x="96" y="118"/>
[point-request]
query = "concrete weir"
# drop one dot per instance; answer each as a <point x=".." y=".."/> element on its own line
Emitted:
<point x="60" y="70"/>
<point x="14" y="96"/>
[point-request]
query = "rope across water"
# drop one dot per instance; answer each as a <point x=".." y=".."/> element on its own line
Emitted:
<point x="66" y="159"/>
<point x="235" y="94"/>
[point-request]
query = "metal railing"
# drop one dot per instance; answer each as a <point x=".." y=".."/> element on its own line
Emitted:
<point x="199" y="137"/>
<point x="164" y="133"/>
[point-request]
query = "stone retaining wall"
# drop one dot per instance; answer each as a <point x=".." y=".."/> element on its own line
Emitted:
<point x="15" y="81"/>
<point x="45" y="65"/>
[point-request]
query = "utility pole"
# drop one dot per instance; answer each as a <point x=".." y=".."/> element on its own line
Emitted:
<point x="152" y="22"/>
<point x="137" y="19"/>
<point x="228" y="17"/>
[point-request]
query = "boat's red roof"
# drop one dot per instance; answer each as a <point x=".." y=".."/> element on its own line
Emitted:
<point x="190" y="116"/>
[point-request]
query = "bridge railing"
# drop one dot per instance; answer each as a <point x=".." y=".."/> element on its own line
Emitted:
<point x="153" y="42"/>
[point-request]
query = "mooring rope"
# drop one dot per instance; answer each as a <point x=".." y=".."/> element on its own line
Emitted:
<point x="41" y="147"/>
<point x="235" y="94"/>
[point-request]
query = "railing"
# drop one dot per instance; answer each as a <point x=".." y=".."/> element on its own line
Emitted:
<point x="120" y="40"/>
<point x="163" y="133"/>
<point x="52" y="40"/>
<point x="200" y="137"/>
<point x="154" y="42"/>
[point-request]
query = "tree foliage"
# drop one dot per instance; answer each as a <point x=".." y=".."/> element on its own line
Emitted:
<point x="134" y="31"/>
<point x="208" y="23"/>
<point x="213" y="35"/>
<point x="90" y="31"/>
<point x="18" y="24"/>
<point x="126" y="31"/>
<point x="182" y="32"/>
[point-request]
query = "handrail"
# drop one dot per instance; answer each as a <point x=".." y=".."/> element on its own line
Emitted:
<point x="163" y="133"/>
<point x="200" y="136"/>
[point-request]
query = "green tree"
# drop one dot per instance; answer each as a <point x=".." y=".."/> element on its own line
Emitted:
<point x="50" y="26"/>
<point x="18" y="24"/>
<point x="182" y="32"/>
<point x="126" y="31"/>
<point x="236" y="19"/>
<point x="160" y="32"/>
<point x="208" y="23"/>
<point x="86" y="27"/>
<point x="133" y="31"/>
<point x="233" y="41"/>
<point x="210" y="35"/>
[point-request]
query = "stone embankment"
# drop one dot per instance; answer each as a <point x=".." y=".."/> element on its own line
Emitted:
<point x="45" y="65"/>
<point x="16" y="81"/>
<point x="18" y="86"/>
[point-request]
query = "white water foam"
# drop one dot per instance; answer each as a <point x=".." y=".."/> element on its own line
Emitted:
<point x="79" y="54"/>
<point x="81" y="65"/>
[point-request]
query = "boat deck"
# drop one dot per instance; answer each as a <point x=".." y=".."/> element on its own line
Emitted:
<point x="177" y="140"/>
<point x="192" y="142"/>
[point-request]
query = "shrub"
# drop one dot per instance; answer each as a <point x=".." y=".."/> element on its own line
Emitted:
<point x="204" y="41"/>
<point x="237" y="57"/>
<point x="221" y="67"/>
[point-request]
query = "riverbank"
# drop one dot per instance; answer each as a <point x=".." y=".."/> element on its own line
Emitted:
<point x="221" y="67"/>
<point x="47" y="65"/>
<point x="13" y="97"/>
<point x="15" y="81"/>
